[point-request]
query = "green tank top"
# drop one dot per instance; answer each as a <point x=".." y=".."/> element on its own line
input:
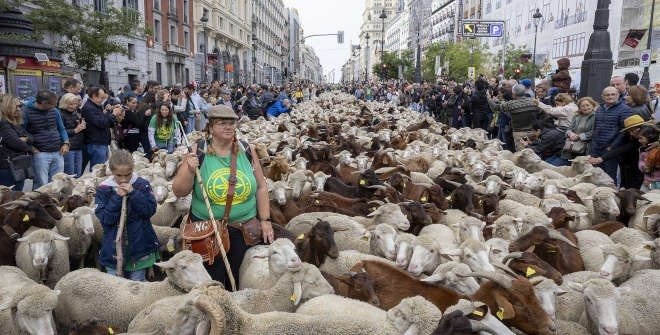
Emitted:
<point x="215" y="176"/>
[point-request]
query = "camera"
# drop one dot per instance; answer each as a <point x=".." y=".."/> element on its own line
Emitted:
<point x="525" y="138"/>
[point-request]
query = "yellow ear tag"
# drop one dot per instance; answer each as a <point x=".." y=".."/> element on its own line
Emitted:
<point x="648" y="247"/>
<point x="423" y="199"/>
<point x="26" y="218"/>
<point x="365" y="238"/>
<point x="111" y="331"/>
<point x="61" y="208"/>
<point x="170" y="245"/>
<point x="478" y="313"/>
<point x="317" y="202"/>
<point x="481" y="202"/>
<point x="293" y="297"/>
<point x="448" y="197"/>
<point x="301" y="236"/>
<point x="362" y="182"/>
<point x="500" y="313"/>
<point x="530" y="272"/>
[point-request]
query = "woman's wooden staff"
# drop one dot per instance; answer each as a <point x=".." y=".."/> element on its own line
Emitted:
<point x="211" y="216"/>
<point x="119" y="240"/>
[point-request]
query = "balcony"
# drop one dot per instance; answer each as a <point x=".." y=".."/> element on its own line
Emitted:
<point x="175" y="50"/>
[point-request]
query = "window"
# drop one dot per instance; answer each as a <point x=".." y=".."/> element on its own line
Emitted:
<point x="132" y="4"/>
<point x="157" y="4"/>
<point x="159" y="75"/>
<point x="131" y="51"/>
<point x="572" y="45"/>
<point x="173" y="6"/>
<point x="100" y="5"/>
<point x="221" y="23"/>
<point x="185" y="11"/>
<point x="186" y="39"/>
<point x="157" y="30"/>
<point x="498" y="4"/>
<point x="173" y="35"/>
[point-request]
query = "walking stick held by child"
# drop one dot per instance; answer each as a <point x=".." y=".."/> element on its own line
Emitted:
<point x="119" y="240"/>
<point x="211" y="216"/>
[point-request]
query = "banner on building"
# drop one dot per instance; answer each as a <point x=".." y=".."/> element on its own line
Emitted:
<point x="633" y="37"/>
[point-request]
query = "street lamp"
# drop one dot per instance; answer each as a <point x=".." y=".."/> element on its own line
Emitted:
<point x="205" y="20"/>
<point x="417" y="76"/>
<point x="537" y="20"/>
<point x="366" y="54"/>
<point x="382" y="17"/>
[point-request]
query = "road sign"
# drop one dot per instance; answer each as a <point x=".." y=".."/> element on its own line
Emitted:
<point x="483" y="28"/>
<point x="471" y="73"/>
<point x="645" y="58"/>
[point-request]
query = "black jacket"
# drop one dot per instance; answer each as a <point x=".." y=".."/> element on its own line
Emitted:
<point x="551" y="143"/>
<point x="71" y="121"/>
<point x="479" y="103"/>
<point x="98" y="124"/>
<point x="11" y="144"/>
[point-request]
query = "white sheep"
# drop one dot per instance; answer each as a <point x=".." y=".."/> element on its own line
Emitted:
<point x="79" y="227"/>
<point x="498" y="248"/>
<point x="569" y="306"/>
<point x="428" y="247"/>
<point x="169" y="238"/>
<point x="171" y="210"/>
<point x="622" y="261"/>
<point x="171" y="315"/>
<point x="43" y="255"/>
<point x="589" y="244"/>
<point x="469" y="228"/>
<point x="531" y="216"/>
<point x="546" y="291"/>
<point x="387" y="213"/>
<point x="646" y="216"/>
<point x="522" y="197"/>
<point x="382" y="241"/>
<point x="630" y="237"/>
<point x="613" y="310"/>
<point x="349" y="234"/>
<point x="601" y="204"/>
<point x="291" y="288"/>
<point x="25" y="306"/>
<point x="160" y="188"/>
<point x="61" y="187"/>
<point x="279" y="191"/>
<point x="454" y="275"/>
<point x="474" y="253"/>
<point x="404" y="249"/>
<point x="88" y="293"/>
<point x="481" y="318"/>
<point x="263" y="264"/>
<point x="646" y="281"/>
<point x="507" y="227"/>
<point x="414" y="315"/>
<point x="346" y="260"/>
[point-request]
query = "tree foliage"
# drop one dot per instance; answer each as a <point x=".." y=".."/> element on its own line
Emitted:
<point x="517" y="57"/>
<point x="87" y="35"/>
<point x="391" y="62"/>
<point x="458" y="58"/>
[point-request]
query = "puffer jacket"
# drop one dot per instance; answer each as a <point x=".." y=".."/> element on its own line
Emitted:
<point x="10" y="142"/>
<point x="608" y="123"/>
<point x="71" y="121"/>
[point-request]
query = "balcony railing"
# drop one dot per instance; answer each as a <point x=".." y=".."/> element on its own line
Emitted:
<point x="173" y="48"/>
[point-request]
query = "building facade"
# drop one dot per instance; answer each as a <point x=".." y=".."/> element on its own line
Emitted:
<point x="371" y="31"/>
<point x="442" y="21"/>
<point x="170" y="49"/>
<point x="295" y="40"/>
<point x="396" y="32"/>
<point x="228" y="36"/>
<point x="311" y="66"/>
<point x="271" y="40"/>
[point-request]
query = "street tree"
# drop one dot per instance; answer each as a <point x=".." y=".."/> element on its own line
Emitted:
<point x="517" y="62"/>
<point x="388" y="68"/>
<point x="459" y="56"/>
<point x="88" y="35"/>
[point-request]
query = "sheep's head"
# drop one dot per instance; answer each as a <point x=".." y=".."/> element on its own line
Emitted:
<point x="32" y="309"/>
<point x="546" y="291"/>
<point x="309" y="283"/>
<point x="282" y="257"/>
<point x="425" y="257"/>
<point x="188" y="319"/>
<point x="185" y="270"/>
<point x="41" y="246"/>
<point x="382" y="240"/>
<point x="84" y="219"/>
<point x="391" y="214"/>
<point x="600" y="297"/>
<point x="619" y="259"/>
<point x="473" y="253"/>
<point x="446" y="275"/>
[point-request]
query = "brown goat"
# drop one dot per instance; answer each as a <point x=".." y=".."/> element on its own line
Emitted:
<point x="354" y="285"/>
<point x="528" y="264"/>
<point x="383" y="158"/>
<point x="553" y="247"/>
<point x="416" y="192"/>
<point x="560" y="217"/>
<point x="17" y="216"/>
<point x="513" y="301"/>
<point x="318" y="243"/>
<point x="278" y="169"/>
<point x="608" y="227"/>
<point x="417" y="216"/>
<point x="73" y="202"/>
<point x="91" y="327"/>
<point x="393" y="284"/>
<point x="628" y="205"/>
<point x="417" y="164"/>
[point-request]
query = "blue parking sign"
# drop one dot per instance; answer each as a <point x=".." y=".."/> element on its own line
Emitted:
<point x="496" y="29"/>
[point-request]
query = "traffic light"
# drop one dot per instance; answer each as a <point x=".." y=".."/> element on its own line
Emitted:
<point x="340" y="37"/>
<point x="516" y="73"/>
<point x="384" y="71"/>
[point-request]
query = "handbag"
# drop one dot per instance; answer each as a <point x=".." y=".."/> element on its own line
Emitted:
<point x="251" y="230"/>
<point x="20" y="167"/>
<point x="199" y="237"/>
<point x="575" y="147"/>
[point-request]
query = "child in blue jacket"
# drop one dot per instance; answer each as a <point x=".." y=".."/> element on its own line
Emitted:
<point x="140" y="241"/>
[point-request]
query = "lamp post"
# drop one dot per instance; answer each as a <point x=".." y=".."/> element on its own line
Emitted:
<point x="366" y="54"/>
<point x="646" y="80"/>
<point x="597" y="65"/>
<point x="537" y="20"/>
<point x="205" y="20"/>
<point x="417" y="76"/>
<point x="382" y="17"/>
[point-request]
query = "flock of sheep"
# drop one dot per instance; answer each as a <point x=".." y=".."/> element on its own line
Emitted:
<point x="390" y="223"/>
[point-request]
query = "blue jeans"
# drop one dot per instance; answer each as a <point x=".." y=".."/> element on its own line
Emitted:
<point x="7" y="179"/>
<point x="169" y="146"/>
<point x="191" y="124"/>
<point x="46" y="165"/>
<point x="139" y="275"/>
<point x="98" y="154"/>
<point x="557" y="161"/>
<point x="73" y="162"/>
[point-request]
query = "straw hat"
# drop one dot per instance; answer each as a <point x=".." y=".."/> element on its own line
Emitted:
<point x="634" y="121"/>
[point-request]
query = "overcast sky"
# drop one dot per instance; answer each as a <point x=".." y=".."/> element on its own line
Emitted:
<point x="327" y="17"/>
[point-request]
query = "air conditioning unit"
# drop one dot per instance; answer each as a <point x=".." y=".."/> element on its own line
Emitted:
<point x="41" y="57"/>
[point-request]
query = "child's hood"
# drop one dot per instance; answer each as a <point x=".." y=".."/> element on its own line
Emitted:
<point x="110" y="181"/>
